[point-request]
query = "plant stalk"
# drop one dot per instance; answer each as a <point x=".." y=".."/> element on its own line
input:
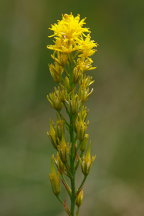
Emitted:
<point x="72" y="165"/>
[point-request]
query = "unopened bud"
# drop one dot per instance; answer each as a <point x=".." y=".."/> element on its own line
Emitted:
<point x="67" y="82"/>
<point x="55" y="180"/>
<point x="52" y="135"/>
<point x="75" y="104"/>
<point x="59" y="163"/>
<point x="63" y="150"/>
<point x="86" y="162"/>
<point x="79" y="198"/>
<point x="55" y="99"/>
<point x="56" y="71"/>
<point x="84" y="142"/>
<point x="60" y="128"/>
<point x="81" y="127"/>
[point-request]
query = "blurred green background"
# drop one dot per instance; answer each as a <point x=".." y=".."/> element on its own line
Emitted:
<point x="115" y="186"/>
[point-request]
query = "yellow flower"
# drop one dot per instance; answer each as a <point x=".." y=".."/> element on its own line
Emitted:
<point x="86" y="46"/>
<point x="69" y="27"/>
<point x="70" y="35"/>
<point x="82" y="66"/>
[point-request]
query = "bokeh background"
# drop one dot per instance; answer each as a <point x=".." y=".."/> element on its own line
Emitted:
<point x="115" y="186"/>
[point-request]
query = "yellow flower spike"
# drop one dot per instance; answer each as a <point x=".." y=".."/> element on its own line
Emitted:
<point x="69" y="27"/>
<point x="54" y="179"/>
<point x="86" y="162"/>
<point x="70" y="35"/>
<point x="72" y="49"/>
<point x="79" y="198"/>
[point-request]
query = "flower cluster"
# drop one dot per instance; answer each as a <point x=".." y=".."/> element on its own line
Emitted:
<point x="72" y="51"/>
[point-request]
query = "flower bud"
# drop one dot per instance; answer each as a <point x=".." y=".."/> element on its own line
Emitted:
<point x="86" y="162"/>
<point x="63" y="150"/>
<point x="76" y="74"/>
<point x="52" y="135"/>
<point x="83" y="113"/>
<point x="79" y="198"/>
<point x="59" y="163"/>
<point x="84" y="143"/>
<point x="55" y="99"/>
<point x="75" y="104"/>
<point x="56" y="71"/>
<point x="81" y="127"/>
<point x="86" y="81"/>
<point x="55" y="180"/>
<point x="84" y="93"/>
<point x="60" y="128"/>
<point x="60" y="58"/>
<point x="67" y="82"/>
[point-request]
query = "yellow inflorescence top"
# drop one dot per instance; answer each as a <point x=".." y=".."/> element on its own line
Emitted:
<point x="70" y="35"/>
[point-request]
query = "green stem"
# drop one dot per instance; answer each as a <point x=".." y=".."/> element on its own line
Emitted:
<point x="77" y="212"/>
<point x="80" y="187"/>
<point x="61" y="116"/>
<point x="72" y="166"/>
<point x="59" y="199"/>
<point x="66" y="185"/>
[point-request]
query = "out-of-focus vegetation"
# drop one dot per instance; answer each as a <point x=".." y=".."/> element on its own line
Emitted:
<point x="115" y="186"/>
